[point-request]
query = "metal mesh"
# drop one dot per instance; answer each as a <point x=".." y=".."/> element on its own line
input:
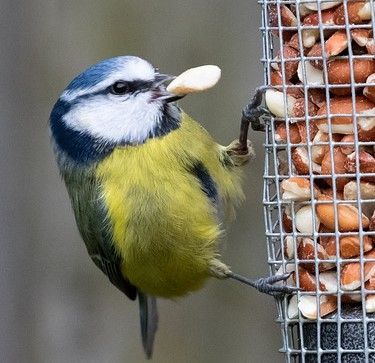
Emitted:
<point x="332" y="319"/>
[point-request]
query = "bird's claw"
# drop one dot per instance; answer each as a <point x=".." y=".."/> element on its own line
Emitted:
<point x="268" y="286"/>
<point x="254" y="111"/>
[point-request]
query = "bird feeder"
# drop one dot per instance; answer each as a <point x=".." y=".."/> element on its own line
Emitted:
<point x="319" y="176"/>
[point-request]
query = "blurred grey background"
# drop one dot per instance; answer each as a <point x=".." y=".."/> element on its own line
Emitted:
<point x="55" y="305"/>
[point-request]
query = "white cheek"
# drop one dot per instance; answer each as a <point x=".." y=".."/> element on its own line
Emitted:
<point x="116" y="119"/>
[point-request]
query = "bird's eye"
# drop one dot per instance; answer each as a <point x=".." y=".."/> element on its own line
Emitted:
<point x="119" y="88"/>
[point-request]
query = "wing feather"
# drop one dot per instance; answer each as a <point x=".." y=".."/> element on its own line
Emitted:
<point x="91" y="217"/>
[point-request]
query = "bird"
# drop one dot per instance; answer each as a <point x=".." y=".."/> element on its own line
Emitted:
<point x="149" y="187"/>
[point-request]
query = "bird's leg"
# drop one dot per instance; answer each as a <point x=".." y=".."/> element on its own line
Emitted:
<point x="266" y="285"/>
<point x="241" y="150"/>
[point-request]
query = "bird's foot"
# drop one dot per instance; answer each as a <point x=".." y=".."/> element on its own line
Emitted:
<point x="267" y="285"/>
<point x="254" y="112"/>
<point x="237" y="154"/>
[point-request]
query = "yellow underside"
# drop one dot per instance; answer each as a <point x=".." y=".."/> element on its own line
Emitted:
<point x="165" y="228"/>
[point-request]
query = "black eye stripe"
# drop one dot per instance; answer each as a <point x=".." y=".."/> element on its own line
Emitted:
<point x="139" y="85"/>
<point x="134" y="86"/>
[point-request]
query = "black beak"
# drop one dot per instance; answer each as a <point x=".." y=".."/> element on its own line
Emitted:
<point x="167" y="97"/>
<point x="161" y="79"/>
<point x="173" y="98"/>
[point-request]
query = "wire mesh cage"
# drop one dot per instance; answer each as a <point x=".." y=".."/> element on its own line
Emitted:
<point x="319" y="180"/>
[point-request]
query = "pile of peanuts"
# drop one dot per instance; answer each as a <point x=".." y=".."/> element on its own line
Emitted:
<point x="324" y="68"/>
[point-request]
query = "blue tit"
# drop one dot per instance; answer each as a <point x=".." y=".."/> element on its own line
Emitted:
<point x="148" y="185"/>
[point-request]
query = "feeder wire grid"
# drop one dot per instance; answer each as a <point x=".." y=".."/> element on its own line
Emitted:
<point x="319" y="176"/>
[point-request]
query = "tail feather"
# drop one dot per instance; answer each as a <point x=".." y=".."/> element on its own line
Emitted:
<point x="149" y="321"/>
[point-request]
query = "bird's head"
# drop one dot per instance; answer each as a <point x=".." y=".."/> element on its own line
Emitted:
<point x="119" y="101"/>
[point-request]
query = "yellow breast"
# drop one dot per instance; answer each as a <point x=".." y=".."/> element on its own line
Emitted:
<point x="164" y="226"/>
